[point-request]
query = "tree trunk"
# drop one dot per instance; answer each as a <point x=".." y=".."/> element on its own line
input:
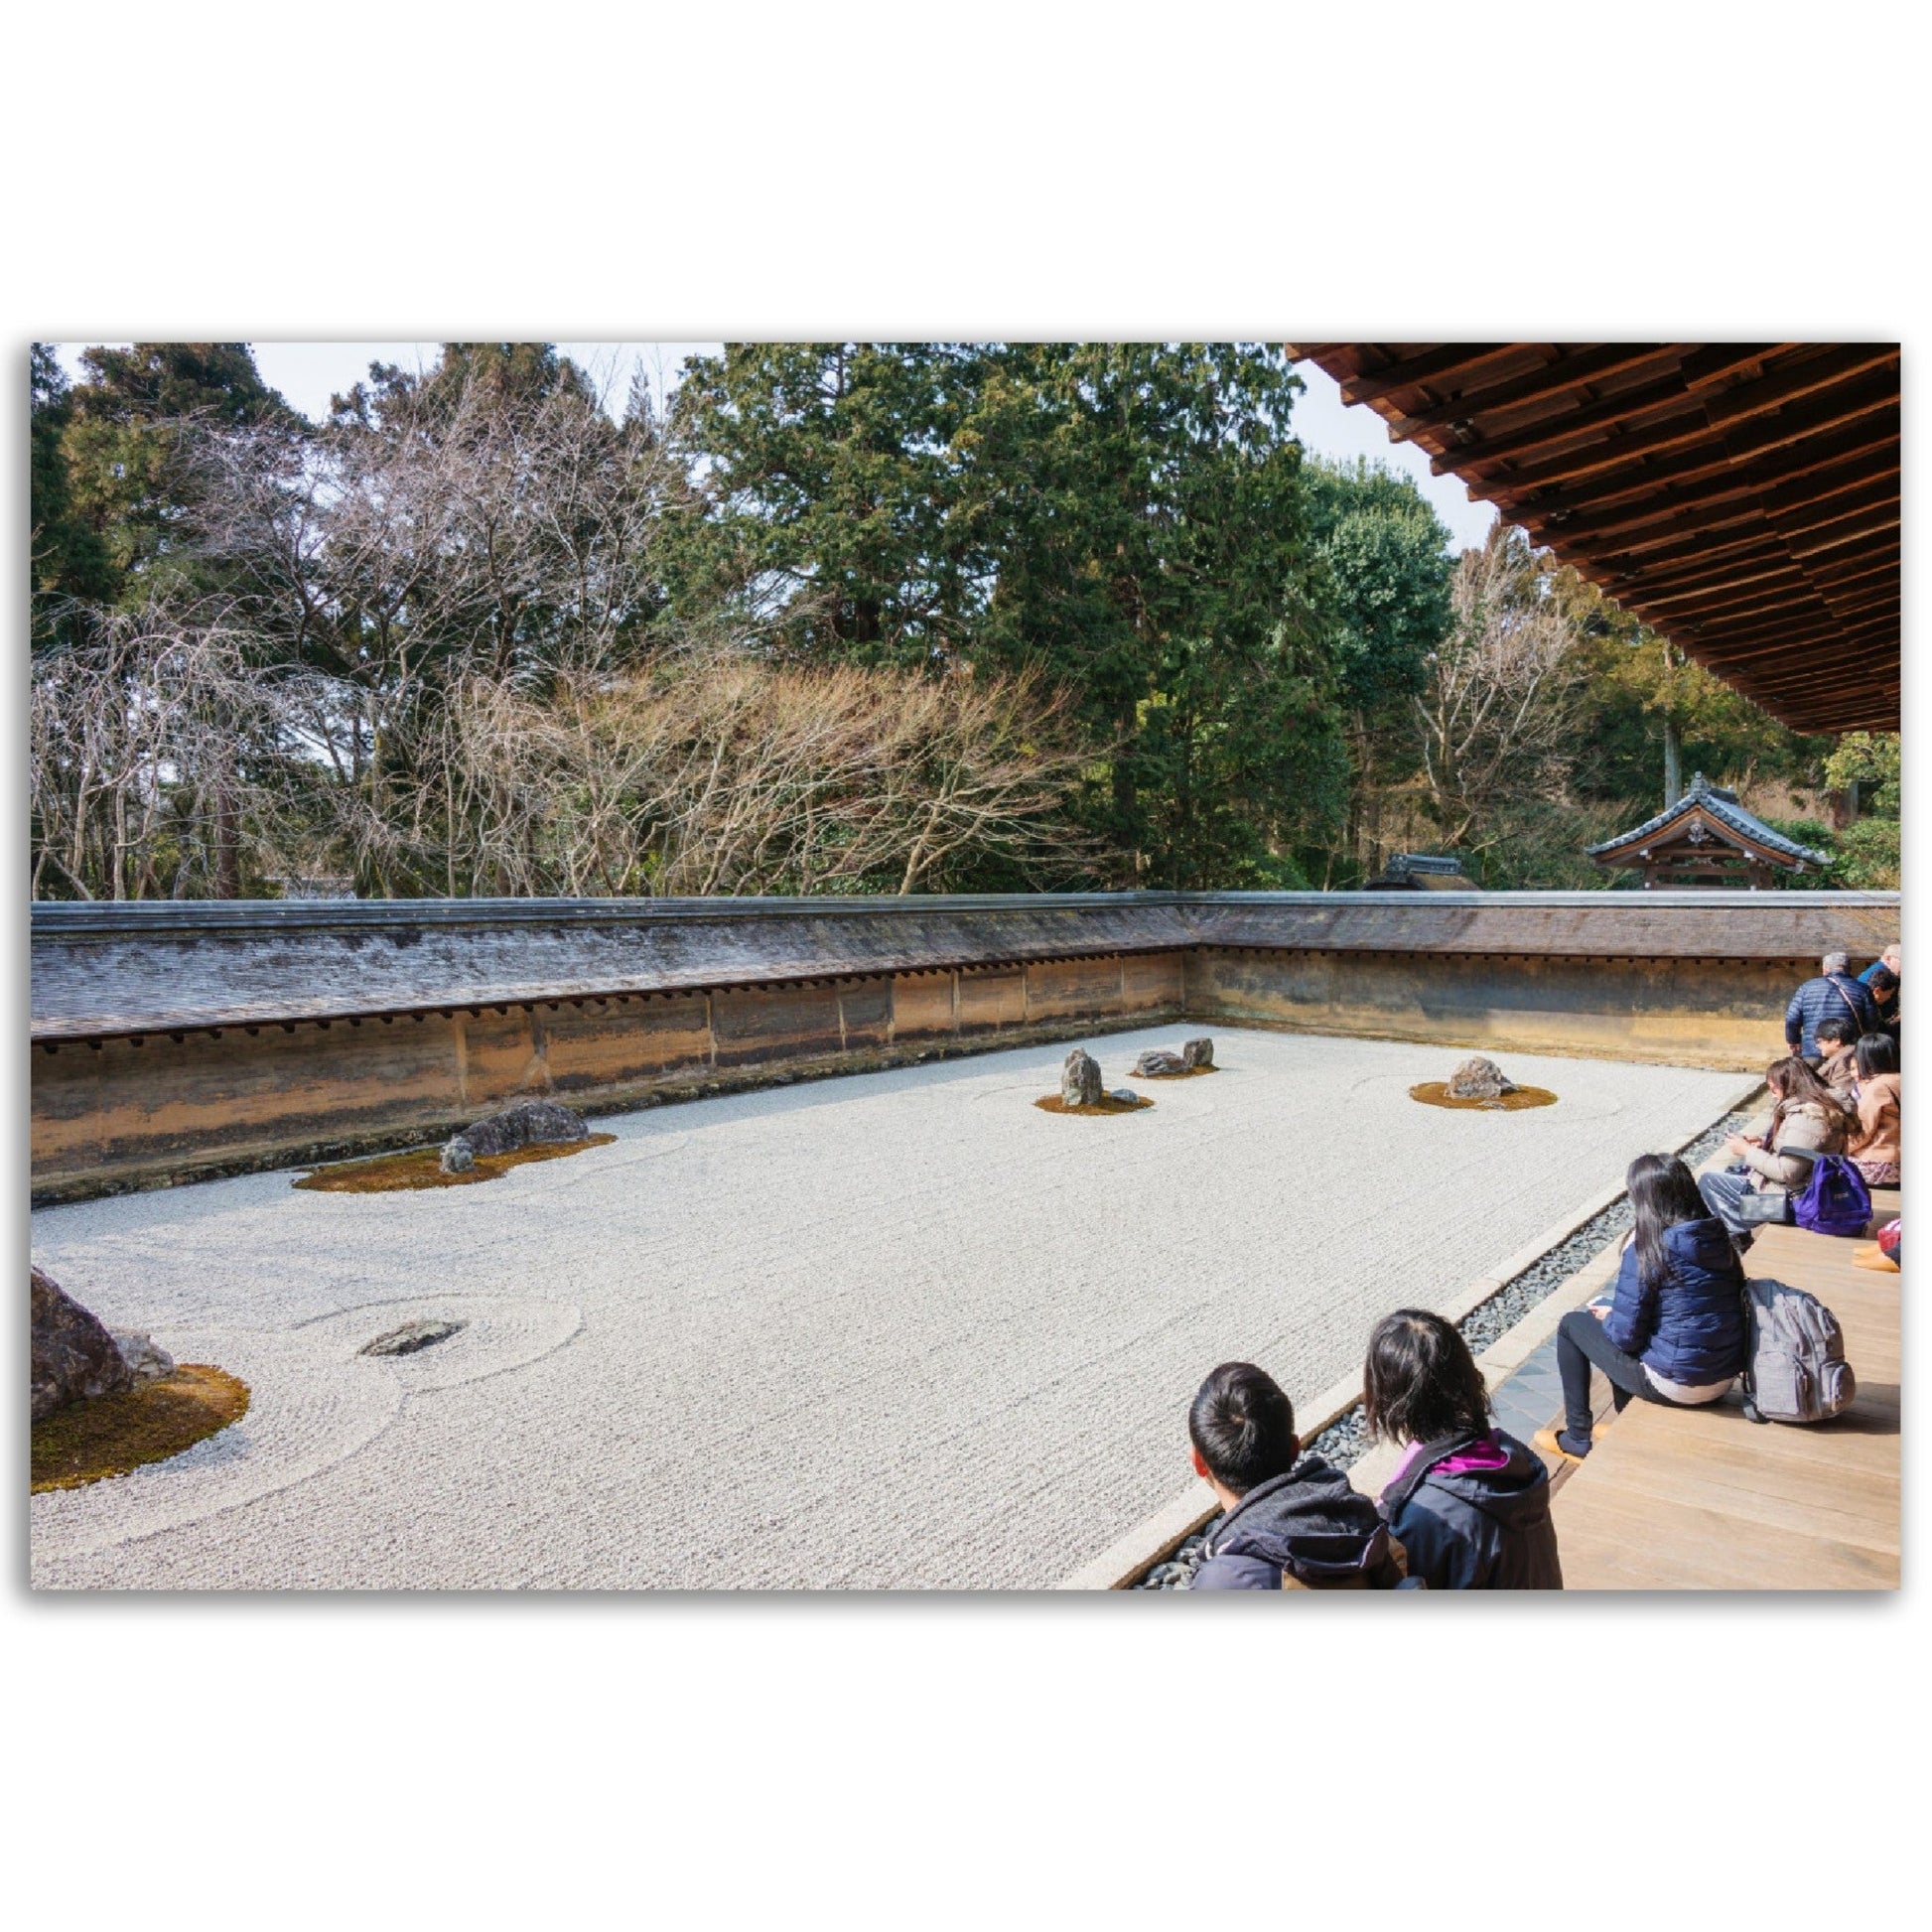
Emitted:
<point x="1672" y="764"/>
<point x="227" y="856"/>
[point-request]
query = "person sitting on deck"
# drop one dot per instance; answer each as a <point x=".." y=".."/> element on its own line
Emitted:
<point x="1292" y="1522"/>
<point x="1833" y="991"/>
<point x="1674" y="1328"/>
<point x="1838" y="1067"/>
<point x="1770" y="1161"/>
<point x="1469" y="1504"/>
<point x="1872" y="1146"/>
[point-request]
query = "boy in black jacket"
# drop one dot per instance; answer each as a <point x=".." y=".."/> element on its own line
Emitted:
<point x="1292" y="1522"/>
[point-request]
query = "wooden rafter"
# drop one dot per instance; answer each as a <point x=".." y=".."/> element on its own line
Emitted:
<point x="1742" y="497"/>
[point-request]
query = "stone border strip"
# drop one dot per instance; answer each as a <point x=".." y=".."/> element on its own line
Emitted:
<point x="1156" y="1537"/>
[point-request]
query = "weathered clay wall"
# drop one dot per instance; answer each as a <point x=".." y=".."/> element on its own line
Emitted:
<point x="118" y="1110"/>
<point x="174" y="1040"/>
<point x="1717" y="1012"/>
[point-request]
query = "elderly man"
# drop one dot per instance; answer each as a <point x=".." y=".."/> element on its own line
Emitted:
<point x="1833" y="991"/>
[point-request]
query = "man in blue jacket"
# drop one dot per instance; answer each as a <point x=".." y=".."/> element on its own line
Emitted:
<point x="1833" y="991"/>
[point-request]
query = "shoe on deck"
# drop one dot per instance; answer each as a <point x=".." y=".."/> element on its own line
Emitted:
<point x="1560" y="1441"/>
<point x="1879" y="1262"/>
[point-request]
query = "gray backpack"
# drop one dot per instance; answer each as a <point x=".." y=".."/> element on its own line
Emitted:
<point x="1797" y="1371"/>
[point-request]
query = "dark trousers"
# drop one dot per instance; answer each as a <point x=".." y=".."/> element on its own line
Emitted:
<point x="1582" y="1346"/>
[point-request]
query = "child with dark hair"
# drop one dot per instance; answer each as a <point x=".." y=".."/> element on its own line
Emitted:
<point x="1292" y="1522"/>
<point x="1468" y="1503"/>
<point x="1673" y="1329"/>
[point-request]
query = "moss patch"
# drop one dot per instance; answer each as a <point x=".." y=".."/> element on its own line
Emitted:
<point x="1435" y="1093"/>
<point x="392" y="1173"/>
<point x="113" y="1434"/>
<point x="1053" y="1104"/>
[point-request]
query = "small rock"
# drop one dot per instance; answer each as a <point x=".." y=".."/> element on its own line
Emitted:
<point x="1197" y="1052"/>
<point x="410" y="1338"/>
<point x="1126" y="1096"/>
<point x="74" y="1356"/>
<point x="1156" y="1063"/>
<point x="1080" y="1084"/>
<point x="146" y="1359"/>
<point x="1478" y="1079"/>
<point x="530" y="1123"/>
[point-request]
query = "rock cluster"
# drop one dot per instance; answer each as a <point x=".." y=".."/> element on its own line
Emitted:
<point x="530" y="1123"/>
<point x="1480" y="1079"/>
<point x="1080" y="1083"/>
<point x="74" y="1355"/>
<point x="1159" y="1063"/>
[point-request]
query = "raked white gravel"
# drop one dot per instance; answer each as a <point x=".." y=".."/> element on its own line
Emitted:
<point x="894" y="1330"/>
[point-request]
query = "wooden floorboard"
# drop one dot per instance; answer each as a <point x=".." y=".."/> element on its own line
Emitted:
<point x="1704" y="1499"/>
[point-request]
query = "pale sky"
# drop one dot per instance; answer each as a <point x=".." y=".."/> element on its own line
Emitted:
<point x="308" y="374"/>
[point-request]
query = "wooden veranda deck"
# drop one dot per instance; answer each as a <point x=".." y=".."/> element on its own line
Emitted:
<point x="1704" y="1499"/>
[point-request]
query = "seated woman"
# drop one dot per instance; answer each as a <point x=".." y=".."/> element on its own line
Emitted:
<point x="1872" y="1146"/>
<point x="1805" y="1114"/>
<point x="1674" y="1330"/>
<point x="1469" y="1504"/>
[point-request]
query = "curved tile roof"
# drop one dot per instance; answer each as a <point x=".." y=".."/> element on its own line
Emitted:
<point x="1721" y="806"/>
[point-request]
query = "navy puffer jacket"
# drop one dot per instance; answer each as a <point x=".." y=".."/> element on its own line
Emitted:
<point x="1689" y="1327"/>
<point x="1468" y="1525"/>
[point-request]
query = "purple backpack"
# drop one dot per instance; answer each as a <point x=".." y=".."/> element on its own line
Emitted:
<point x="1835" y="1199"/>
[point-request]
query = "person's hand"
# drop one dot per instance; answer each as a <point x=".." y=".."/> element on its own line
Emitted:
<point x="1600" y="1310"/>
<point x="1738" y="1142"/>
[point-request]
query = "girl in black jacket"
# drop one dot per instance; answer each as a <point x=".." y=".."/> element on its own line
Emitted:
<point x="1468" y="1503"/>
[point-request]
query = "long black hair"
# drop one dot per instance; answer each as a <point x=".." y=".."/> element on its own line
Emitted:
<point x="1662" y="1194"/>
<point x="1878" y="1053"/>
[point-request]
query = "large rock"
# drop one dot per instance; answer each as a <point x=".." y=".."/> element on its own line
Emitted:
<point x="1480" y="1079"/>
<point x="74" y="1355"/>
<point x="530" y="1123"/>
<point x="1197" y="1052"/>
<point x="1156" y="1063"/>
<point x="1080" y="1084"/>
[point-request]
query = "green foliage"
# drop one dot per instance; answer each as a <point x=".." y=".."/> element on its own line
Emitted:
<point x="1386" y="559"/>
<point x="1126" y="518"/>
<point x="123" y="444"/>
<point x="1872" y="761"/>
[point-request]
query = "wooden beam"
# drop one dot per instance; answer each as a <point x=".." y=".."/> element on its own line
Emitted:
<point x="1821" y="513"/>
<point x="1774" y="573"/>
<point x="1428" y="366"/>
<point x="1846" y="530"/>
<point x="1791" y="382"/>
<point x="1665" y="397"/>
<point x="1703" y="476"/>
<point x="1579" y="370"/>
<point x="1875" y="396"/>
